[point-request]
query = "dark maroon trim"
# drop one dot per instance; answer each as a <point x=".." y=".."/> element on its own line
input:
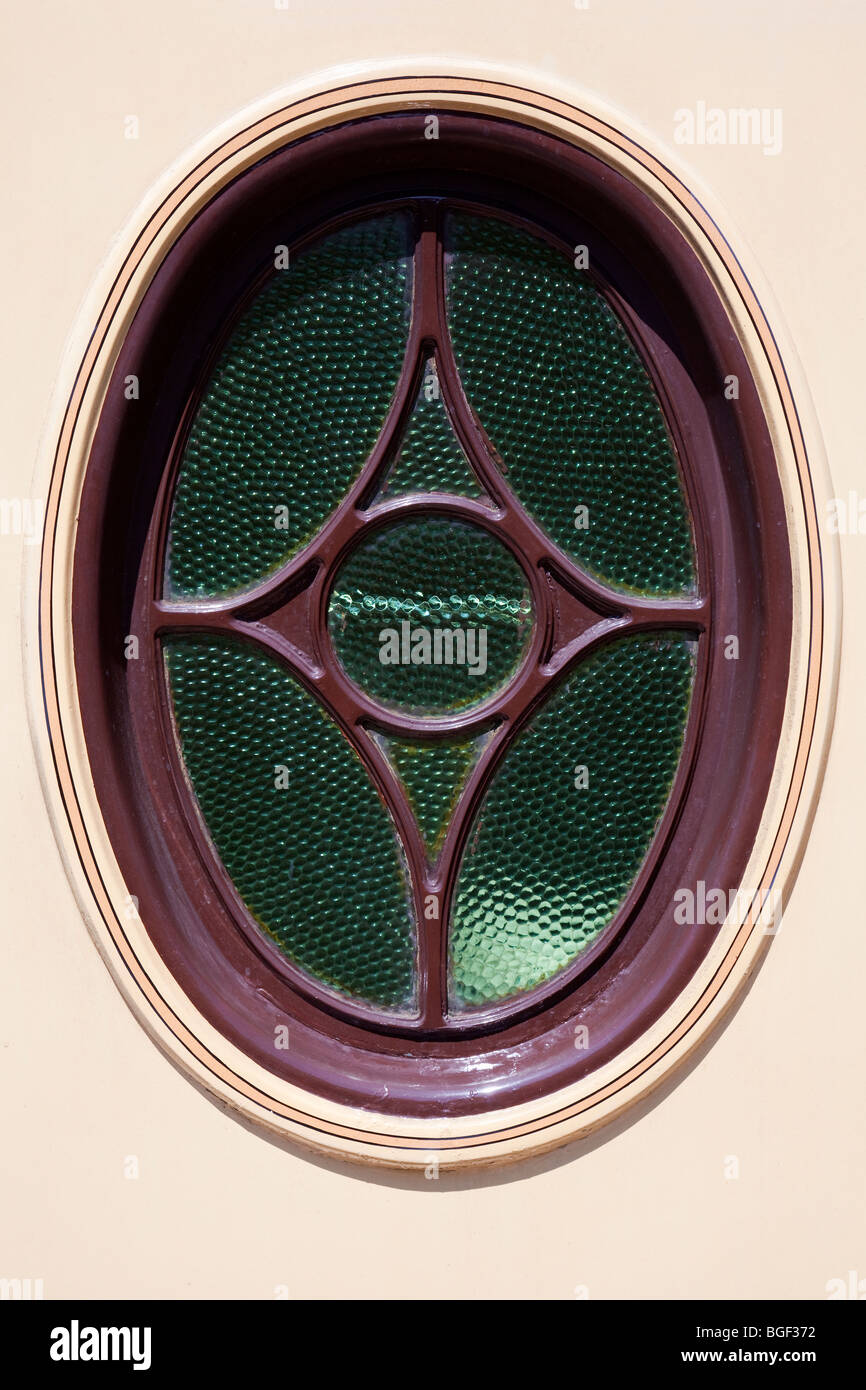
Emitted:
<point x="642" y="961"/>
<point x="287" y="615"/>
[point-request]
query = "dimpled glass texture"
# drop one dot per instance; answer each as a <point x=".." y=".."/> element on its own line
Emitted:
<point x="292" y="408"/>
<point x="433" y="774"/>
<point x="430" y="458"/>
<point x="317" y="862"/>
<point x="549" y="862"/>
<point x="430" y="573"/>
<point x="568" y="406"/>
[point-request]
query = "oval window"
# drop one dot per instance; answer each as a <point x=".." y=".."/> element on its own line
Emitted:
<point x="431" y="614"/>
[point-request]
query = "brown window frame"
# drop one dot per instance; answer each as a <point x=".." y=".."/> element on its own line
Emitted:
<point x="655" y="283"/>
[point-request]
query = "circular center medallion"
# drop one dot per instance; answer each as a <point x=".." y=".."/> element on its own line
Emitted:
<point x="430" y="615"/>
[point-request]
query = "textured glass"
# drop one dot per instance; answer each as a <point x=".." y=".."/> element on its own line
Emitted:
<point x="566" y="402"/>
<point x="548" y="862"/>
<point x="430" y="615"/>
<point x="419" y="592"/>
<point x="293" y="407"/>
<point x="316" y="862"/>
<point x="430" y="458"/>
<point x="433" y="773"/>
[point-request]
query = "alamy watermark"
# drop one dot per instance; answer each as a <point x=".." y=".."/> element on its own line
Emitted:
<point x="846" y="516"/>
<point x="21" y="1290"/>
<point x="703" y="906"/>
<point x="434" y="646"/>
<point x="77" y="1343"/>
<point x="739" y="125"/>
<point x="22" y="516"/>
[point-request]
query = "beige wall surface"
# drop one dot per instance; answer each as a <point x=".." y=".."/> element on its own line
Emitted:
<point x="649" y="1209"/>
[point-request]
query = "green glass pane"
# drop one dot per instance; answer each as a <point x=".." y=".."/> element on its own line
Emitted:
<point x="430" y="615"/>
<point x="433" y="774"/>
<point x="317" y="861"/>
<point x="430" y="458"/>
<point x="568" y="405"/>
<point x="549" y="859"/>
<point x="293" y="407"/>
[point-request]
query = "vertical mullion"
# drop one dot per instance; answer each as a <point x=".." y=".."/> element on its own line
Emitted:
<point x="432" y="930"/>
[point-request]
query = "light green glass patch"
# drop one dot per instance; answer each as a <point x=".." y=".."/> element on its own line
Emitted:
<point x="430" y="458"/>
<point x="430" y="615"/>
<point x="293" y="407"/>
<point x="569" y="817"/>
<point x="569" y="406"/>
<point x="294" y="818"/>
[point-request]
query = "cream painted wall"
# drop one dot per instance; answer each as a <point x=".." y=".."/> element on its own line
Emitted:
<point x="217" y="1211"/>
